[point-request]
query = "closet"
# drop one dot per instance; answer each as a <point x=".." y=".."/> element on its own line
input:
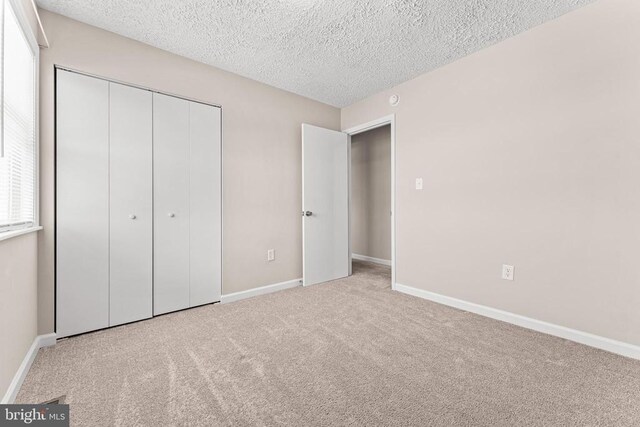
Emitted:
<point x="138" y="203"/>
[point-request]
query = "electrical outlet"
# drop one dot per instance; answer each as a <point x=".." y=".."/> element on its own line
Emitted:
<point x="507" y="272"/>
<point x="418" y="183"/>
<point x="271" y="254"/>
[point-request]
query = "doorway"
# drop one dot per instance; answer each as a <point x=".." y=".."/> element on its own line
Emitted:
<point x="370" y="195"/>
<point x="387" y="127"/>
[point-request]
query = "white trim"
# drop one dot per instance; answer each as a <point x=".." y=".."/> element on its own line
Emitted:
<point x="19" y="232"/>
<point x="41" y="28"/>
<point x="36" y="117"/>
<point x="302" y="201"/>
<point x="39" y="342"/>
<point x="221" y="275"/>
<point x="373" y="124"/>
<point x="262" y="290"/>
<point x="380" y="261"/>
<point x="47" y="340"/>
<point x="121" y="82"/>
<point x="23" y="21"/>
<point x="349" y="205"/>
<point x="607" y="344"/>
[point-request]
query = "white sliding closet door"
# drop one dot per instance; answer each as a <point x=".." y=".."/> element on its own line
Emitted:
<point x="171" y="203"/>
<point x="82" y="203"/>
<point x="131" y="199"/>
<point x="205" y="203"/>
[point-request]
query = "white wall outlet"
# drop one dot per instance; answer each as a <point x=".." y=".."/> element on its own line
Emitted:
<point x="271" y="254"/>
<point x="418" y="183"/>
<point x="507" y="272"/>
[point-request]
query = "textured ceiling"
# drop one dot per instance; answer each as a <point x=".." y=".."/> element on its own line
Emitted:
<point x="334" y="51"/>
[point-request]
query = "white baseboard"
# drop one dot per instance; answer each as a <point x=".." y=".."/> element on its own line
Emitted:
<point x="39" y="342"/>
<point x="262" y="290"/>
<point x="607" y="344"/>
<point x="380" y="261"/>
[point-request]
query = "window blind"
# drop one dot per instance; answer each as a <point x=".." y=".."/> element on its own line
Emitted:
<point x="18" y="154"/>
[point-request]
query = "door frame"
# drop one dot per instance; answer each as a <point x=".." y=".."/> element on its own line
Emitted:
<point x="364" y="127"/>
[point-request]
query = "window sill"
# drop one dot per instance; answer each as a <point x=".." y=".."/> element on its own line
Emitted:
<point x="15" y="233"/>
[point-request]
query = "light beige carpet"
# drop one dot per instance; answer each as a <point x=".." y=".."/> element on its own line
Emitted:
<point x="349" y="352"/>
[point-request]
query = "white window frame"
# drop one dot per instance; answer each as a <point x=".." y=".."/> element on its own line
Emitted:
<point x="23" y="23"/>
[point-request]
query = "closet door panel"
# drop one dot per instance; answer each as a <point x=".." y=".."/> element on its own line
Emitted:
<point x="131" y="204"/>
<point x="171" y="203"/>
<point x="82" y="203"/>
<point x="205" y="204"/>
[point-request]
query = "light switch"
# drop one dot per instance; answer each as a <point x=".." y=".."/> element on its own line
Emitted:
<point x="418" y="183"/>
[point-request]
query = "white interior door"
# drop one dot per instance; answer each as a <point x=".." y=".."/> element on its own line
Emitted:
<point x="82" y="203"/>
<point x="171" y="203"/>
<point x="205" y="191"/>
<point x="325" y="204"/>
<point x="131" y="204"/>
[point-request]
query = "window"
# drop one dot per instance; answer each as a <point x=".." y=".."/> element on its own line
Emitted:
<point x="17" y="122"/>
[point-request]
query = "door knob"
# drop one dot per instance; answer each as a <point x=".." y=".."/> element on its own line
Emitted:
<point x="308" y="213"/>
<point x="171" y="215"/>
<point x="132" y="216"/>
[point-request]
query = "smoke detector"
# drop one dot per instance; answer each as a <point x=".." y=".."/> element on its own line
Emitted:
<point x="394" y="100"/>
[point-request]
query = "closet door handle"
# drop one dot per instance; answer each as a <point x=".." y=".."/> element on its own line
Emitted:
<point x="171" y="215"/>
<point x="132" y="216"/>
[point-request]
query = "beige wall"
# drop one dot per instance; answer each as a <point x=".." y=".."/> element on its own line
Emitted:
<point x="530" y="154"/>
<point x="18" y="303"/>
<point x="261" y="143"/>
<point x="371" y="193"/>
